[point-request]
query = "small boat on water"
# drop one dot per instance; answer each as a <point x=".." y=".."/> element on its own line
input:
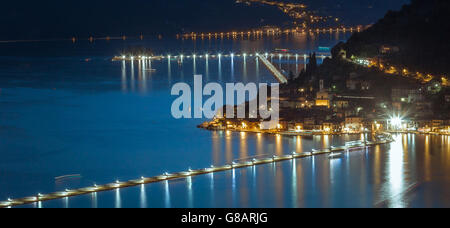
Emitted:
<point x="60" y="178"/>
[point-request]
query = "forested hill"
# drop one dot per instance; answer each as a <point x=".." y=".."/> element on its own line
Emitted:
<point x="419" y="34"/>
<point x="24" y="19"/>
<point x="31" y="19"/>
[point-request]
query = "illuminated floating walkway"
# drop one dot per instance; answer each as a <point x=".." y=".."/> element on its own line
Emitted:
<point x="181" y="57"/>
<point x="278" y="75"/>
<point x="263" y="57"/>
<point x="349" y="146"/>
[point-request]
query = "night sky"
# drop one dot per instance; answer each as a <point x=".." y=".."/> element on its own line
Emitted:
<point x="82" y="18"/>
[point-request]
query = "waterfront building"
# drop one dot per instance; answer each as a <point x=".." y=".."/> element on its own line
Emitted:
<point x="407" y="94"/>
<point x="353" y="124"/>
<point x="322" y="96"/>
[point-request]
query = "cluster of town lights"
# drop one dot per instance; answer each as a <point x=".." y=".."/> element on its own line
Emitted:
<point x="392" y="70"/>
<point x="268" y="32"/>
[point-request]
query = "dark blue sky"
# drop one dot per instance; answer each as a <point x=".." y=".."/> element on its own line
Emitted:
<point x="25" y="19"/>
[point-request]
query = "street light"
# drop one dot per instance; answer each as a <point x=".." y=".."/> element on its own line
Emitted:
<point x="396" y="121"/>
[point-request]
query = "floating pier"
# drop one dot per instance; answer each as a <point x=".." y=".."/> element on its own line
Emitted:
<point x="278" y="75"/>
<point x="181" y="57"/>
<point x="356" y="145"/>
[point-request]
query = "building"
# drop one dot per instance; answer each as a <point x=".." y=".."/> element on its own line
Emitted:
<point x="356" y="84"/>
<point x="437" y="125"/>
<point x="323" y="103"/>
<point x="341" y="104"/>
<point x="387" y="49"/>
<point x="365" y="85"/>
<point x="352" y="84"/>
<point x="353" y="124"/>
<point x="312" y="123"/>
<point x="322" y="97"/>
<point x="295" y="103"/>
<point x="407" y="95"/>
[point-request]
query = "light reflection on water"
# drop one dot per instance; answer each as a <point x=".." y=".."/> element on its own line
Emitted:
<point x="396" y="173"/>
<point x="118" y="199"/>
<point x="355" y="180"/>
<point x="167" y="195"/>
<point x="95" y="202"/>
<point x="111" y="120"/>
<point x="143" y="197"/>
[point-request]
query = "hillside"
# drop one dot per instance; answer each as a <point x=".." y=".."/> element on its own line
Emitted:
<point x="61" y="19"/>
<point x="418" y="35"/>
<point x="27" y="19"/>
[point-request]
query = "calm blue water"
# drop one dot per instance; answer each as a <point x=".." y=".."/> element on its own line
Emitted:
<point x="107" y="121"/>
<point x="411" y="172"/>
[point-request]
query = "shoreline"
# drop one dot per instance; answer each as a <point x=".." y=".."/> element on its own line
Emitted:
<point x="306" y="134"/>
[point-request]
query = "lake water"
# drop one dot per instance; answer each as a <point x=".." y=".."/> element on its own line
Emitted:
<point x="107" y="121"/>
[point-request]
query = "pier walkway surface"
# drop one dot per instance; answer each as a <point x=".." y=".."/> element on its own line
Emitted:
<point x="278" y="75"/>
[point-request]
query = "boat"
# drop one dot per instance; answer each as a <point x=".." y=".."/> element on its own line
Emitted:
<point x="327" y="49"/>
<point x="281" y="50"/>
